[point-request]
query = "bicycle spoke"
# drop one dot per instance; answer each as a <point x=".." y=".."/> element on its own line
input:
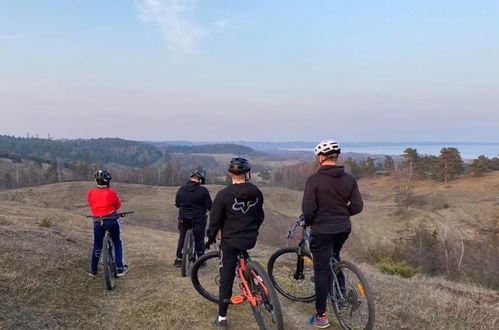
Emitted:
<point x="291" y="276"/>
<point x="351" y="299"/>
<point x="267" y="310"/>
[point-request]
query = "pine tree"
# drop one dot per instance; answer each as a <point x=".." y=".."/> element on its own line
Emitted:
<point x="451" y="164"/>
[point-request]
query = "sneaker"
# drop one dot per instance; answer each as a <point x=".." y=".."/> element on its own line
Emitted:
<point x="320" y="322"/>
<point x="123" y="271"/>
<point x="177" y="262"/>
<point x="93" y="274"/>
<point x="220" y="324"/>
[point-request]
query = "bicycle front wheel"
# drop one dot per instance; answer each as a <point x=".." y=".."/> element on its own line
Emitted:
<point x="292" y="275"/>
<point x="109" y="266"/>
<point x="188" y="253"/>
<point x="351" y="297"/>
<point x="267" y="311"/>
<point x="205" y="276"/>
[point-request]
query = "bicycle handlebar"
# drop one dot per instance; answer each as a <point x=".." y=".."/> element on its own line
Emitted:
<point x="299" y="222"/>
<point x="121" y="214"/>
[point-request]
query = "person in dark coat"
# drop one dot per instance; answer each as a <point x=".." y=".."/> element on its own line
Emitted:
<point x="331" y="196"/>
<point x="193" y="201"/>
<point x="237" y="213"/>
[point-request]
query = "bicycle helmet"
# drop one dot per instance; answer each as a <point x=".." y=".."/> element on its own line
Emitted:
<point x="103" y="175"/>
<point x="200" y="174"/>
<point x="239" y="165"/>
<point x="327" y="147"/>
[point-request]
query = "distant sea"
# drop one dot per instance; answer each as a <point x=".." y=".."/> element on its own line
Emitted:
<point x="467" y="150"/>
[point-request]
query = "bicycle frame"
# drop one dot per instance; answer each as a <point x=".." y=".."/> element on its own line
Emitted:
<point x="244" y="285"/>
<point x="303" y="250"/>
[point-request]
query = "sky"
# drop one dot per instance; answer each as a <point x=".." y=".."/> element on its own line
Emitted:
<point x="213" y="70"/>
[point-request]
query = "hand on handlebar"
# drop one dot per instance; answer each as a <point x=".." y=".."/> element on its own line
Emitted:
<point x="209" y="242"/>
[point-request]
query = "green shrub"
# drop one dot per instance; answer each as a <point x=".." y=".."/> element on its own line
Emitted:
<point x="393" y="265"/>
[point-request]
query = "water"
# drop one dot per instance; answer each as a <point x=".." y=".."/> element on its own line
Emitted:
<point x="467" y="150"/>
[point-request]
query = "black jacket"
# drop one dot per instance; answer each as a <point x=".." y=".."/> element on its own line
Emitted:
<point x="193" y="200"/>
<point x="331" y="196"/>
<point x="238" y="213"/>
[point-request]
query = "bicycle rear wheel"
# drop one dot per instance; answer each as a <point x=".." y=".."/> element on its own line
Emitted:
<point x="292" y="275"/>
<point x="267" y="311"/>
<point x="188" y="254"/>
<point x="108" y="259"/>
<point x="354" y="308"/>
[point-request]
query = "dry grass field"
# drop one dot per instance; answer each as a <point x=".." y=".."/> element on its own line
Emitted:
<point x="45" y="244"/>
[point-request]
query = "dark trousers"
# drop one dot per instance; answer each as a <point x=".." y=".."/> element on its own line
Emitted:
<point x="228" y="262"/>
<point x="198" y="226"/>
<point x="322" y="247"/>
<point x="99" y="232"/>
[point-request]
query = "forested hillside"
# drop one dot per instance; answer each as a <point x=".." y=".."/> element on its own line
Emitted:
<point x="104" y="150"/>
<point x="32" y="161"/>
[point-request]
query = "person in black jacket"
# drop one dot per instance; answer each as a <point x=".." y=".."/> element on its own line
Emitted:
<point x="331" y="196"/>
<point x="238" y="213"/>
<point x="193" y="200"/>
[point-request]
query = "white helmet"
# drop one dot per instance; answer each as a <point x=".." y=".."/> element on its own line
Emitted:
<point x="327" y="147"/>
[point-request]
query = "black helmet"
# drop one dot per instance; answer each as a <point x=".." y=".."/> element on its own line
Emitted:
<point x="103" y="176"/>
<point x="239" y="165"/>
<point x="200" y="174"/>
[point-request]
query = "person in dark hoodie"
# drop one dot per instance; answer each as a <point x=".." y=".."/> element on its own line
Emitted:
<point x="193" y="201"/>
<point x="331" y="196"/>
<point x="238" y="213"/>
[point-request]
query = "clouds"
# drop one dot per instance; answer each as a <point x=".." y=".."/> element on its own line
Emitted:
<point x="175" y="19"/>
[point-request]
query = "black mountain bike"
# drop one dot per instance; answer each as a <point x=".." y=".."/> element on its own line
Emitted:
<point x="107" y="255"/>
<point x="188" y="252"/>
<point x="252" y="281"/>
<point x="291" y="272"/>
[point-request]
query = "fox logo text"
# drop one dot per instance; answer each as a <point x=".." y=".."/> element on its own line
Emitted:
<point x="243" y="206"/>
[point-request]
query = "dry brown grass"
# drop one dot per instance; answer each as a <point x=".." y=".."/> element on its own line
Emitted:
<point x="44" y="284"/>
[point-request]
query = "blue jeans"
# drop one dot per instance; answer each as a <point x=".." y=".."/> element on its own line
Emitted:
<point x="99" y="232"/>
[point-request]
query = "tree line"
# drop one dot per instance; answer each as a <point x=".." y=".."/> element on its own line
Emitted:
<point x="103" y="150"/>
<point x="410" y="165"/>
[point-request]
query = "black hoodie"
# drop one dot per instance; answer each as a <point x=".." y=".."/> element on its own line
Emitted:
<point x="331" y="196"/>
<point x="238" y="213"/>
<point x="193" y="200"/>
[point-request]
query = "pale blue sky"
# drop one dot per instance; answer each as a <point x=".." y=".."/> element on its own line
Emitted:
<point x="251" y="70"/>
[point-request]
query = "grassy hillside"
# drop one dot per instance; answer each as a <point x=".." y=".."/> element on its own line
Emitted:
<point x="46" y="243"/>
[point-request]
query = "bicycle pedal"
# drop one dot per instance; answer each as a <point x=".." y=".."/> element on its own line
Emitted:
<point x="237" y="299"/>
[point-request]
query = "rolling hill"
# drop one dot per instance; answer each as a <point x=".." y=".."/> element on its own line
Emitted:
<point x="45" y="242"/>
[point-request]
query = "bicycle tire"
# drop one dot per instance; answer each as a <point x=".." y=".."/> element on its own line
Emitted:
<point x="282" y="269"/>
<point x="205" y="276"/>
<point x="356" y="310"/>
<point x="187" y="253"/>
<point x="109" y="266"/>
<point x="267" y="312"/>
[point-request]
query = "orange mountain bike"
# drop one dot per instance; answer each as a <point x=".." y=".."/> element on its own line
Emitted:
<point x="254" y="284"/>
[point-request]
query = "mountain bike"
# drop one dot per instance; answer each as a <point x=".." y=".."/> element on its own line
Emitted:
<point x="107" y="255"/>
<point x="253" y="283"/>
<point x="291" y="272"/>
<point x="188" y="252"/>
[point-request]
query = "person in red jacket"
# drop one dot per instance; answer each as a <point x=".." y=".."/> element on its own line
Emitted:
<point x="104" y="203"/>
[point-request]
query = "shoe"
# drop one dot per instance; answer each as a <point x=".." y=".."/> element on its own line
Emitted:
<point x="122" y="272"/>
<point x="177" y="262"/>
<point x="93" y="274"/>
<point x="320" y="322"/>
<point x="220" y="324"/>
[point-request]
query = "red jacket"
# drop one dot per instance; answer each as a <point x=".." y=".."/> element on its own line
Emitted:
<point x="103" y="201"/>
